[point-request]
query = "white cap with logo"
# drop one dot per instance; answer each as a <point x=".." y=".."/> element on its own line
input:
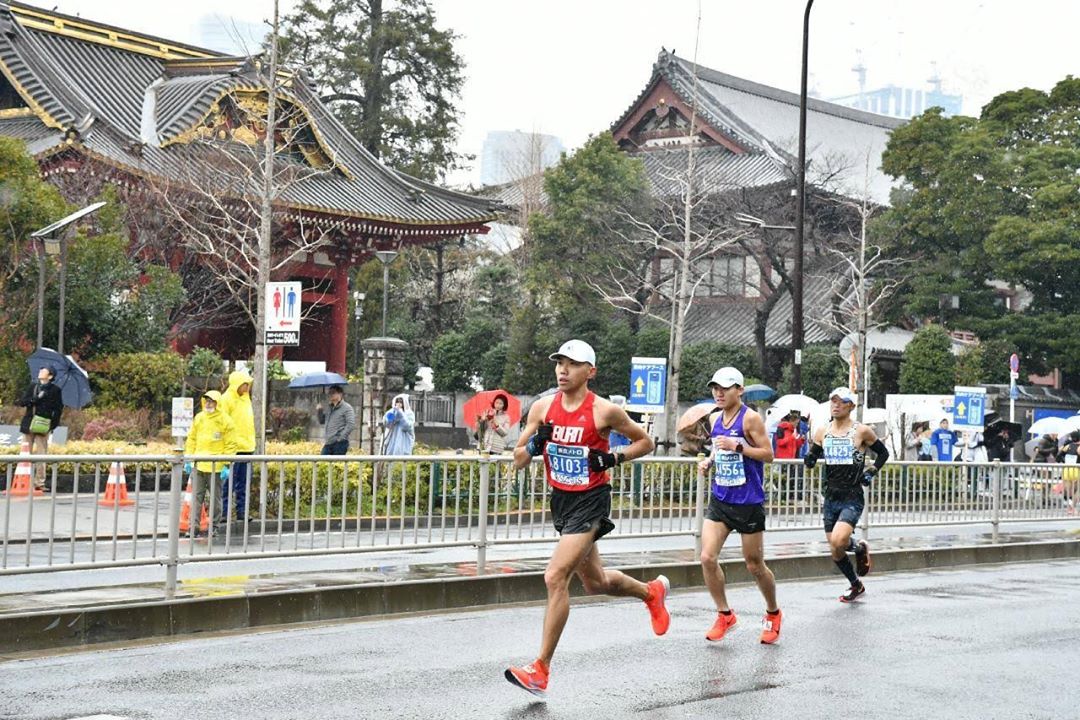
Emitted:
<point x="725" y="377"/>
<point x="576" y="350"/>
<point x="844" y="394"/>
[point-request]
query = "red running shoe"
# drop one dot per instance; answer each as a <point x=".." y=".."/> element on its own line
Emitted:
<point x="658" y="590"/>
<point x="721" y="626"/>
<point x="531" y="678"/>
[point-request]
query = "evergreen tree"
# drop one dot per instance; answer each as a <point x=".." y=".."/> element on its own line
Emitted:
<point x="388" y="71"/>
<point x="928" y="366"/>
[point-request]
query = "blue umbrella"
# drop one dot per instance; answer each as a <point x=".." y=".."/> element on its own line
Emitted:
<point x="317" y="379"/>
<point x="69" y="377"/>
<point x="757" y="393"/>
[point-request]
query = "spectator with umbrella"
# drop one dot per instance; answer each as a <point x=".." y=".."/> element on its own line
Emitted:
<point x="1046" y="449"/>
<point x="1070" y="475"/>
<point x="788" y="438"/>
<point x="44" y="405"/>
<point x="493" y="425"/>
<point x="491" y="414"/>
<point x="340" y="420"/>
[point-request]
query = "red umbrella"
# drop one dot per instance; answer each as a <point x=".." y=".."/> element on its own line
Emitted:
<point x="481" y="402"/>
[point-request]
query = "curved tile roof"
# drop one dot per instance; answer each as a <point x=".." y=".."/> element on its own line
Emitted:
<point x="98" y="84"/>
<point x="766" y="119"/>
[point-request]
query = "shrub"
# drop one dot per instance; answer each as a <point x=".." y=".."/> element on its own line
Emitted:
<point x="275" y="370"/>
<point x="136" y="380"/>
<point x="108" y="429"/>
<point x="284" y="419"/>
<point x="293" y="435"/>
<point x="204" y="362"/>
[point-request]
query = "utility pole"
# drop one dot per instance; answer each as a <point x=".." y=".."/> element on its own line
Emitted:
<point x="265" y="226"/>
<point x="800" y="210"/>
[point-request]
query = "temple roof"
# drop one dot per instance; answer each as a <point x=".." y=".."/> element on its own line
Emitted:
<point x="750" y="118"/>
<point x="734" y="322"/>
<point x="138" y="103"/>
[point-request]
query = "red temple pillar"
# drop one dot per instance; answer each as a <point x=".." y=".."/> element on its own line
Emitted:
<point x="339" y="320"/>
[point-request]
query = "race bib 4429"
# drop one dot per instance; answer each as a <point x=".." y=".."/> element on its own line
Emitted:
<point x="839" y="451"/>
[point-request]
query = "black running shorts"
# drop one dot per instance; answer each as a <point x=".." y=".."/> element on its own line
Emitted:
<point x="581" y="512"/>
<point x="746" y="519"/>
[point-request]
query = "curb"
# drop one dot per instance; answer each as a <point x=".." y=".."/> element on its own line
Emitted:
<point x="24" y="632"/>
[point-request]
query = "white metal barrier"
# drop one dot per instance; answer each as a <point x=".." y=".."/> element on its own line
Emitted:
<point x="319" y="505"/>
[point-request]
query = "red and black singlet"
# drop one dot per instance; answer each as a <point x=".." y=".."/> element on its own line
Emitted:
<point x="566" y="455"/>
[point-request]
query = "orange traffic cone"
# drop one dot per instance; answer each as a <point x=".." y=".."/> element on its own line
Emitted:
<point x="185" y="512"/>
<point x="116" y="487"/>
<point x="22" y="484"/>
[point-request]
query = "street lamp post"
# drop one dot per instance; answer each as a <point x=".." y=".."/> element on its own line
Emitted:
<point x="55" y="243"/>
<point x="800" y="209"/>
<point x="385" y="257"/>
<point x="358" y="312"/>
<point x="40" y="294"/>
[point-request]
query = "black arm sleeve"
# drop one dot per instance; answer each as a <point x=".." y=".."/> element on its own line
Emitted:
<point x="813" y="455"/>
<point x="881" y="454"/>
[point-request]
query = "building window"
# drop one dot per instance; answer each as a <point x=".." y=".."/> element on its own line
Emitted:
<point x="753" y="277"/>
<point x="664" y="281"/>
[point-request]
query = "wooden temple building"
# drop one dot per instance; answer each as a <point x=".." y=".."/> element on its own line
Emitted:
<point x="745" y="143"/>
<point x="745" y="151"/>
<point x="96" y="101"/>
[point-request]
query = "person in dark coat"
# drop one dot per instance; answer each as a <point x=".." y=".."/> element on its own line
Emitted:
<point x="42" y="398"/>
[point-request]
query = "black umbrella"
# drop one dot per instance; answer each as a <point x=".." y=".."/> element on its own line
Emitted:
<point x="69" y="377"/>
<point x="996" y="426"/>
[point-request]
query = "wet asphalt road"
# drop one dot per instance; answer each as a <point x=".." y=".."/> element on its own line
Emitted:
<point x="988" y="642"/>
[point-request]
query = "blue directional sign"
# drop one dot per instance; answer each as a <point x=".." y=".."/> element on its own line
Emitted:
<point x="969" y="408"/>
<point x="648" y="385"/>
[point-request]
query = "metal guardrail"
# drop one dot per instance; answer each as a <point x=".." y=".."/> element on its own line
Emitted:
<point x="319" y="505"/>
<point x="434" y="409"/>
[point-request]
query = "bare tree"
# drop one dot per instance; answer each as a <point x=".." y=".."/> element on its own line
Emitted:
<point x="226" y="202"/>
<point x="685" y="225"/>
<point x="864" y="276"/>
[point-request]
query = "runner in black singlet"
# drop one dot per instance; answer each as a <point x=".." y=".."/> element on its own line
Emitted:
<point x="843" y="445"/>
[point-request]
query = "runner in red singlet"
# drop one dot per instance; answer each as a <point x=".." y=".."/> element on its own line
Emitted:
<point x="570" y="429"/>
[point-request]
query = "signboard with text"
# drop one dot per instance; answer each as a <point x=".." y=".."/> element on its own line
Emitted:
<point x="283" y="313"/>
<point x="648" y="385"/>
<point x="969" y="408"/>
<point x="183" y="414"/>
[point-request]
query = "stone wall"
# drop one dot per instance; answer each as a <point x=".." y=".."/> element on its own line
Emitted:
<point x="384" y="375"/>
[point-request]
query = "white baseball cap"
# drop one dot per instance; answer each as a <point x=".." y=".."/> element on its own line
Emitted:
<point x="576" y="350"/>
<point x="725" y="377"/>
<point x="844" y="394"/>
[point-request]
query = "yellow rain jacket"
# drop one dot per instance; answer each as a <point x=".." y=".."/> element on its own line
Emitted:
<point x="212" y="433"/>
<point x="238" y="407"/>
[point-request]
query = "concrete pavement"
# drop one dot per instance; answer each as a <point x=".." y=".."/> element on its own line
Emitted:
<point x="985" y="642"/>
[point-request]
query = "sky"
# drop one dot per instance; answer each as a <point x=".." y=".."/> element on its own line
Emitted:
<point x="570" y="68"/>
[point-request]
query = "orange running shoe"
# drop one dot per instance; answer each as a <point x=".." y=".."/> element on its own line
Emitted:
<point x="770" y="627"/>
<point x="532" y="678"/>
<point x="721" y="626"/>
<point x="658" y="590"/>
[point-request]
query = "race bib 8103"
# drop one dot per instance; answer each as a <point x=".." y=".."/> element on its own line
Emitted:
<point x="569" y="464"/>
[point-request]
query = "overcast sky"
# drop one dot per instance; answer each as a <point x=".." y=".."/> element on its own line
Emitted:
<point x="571" y="67"/>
